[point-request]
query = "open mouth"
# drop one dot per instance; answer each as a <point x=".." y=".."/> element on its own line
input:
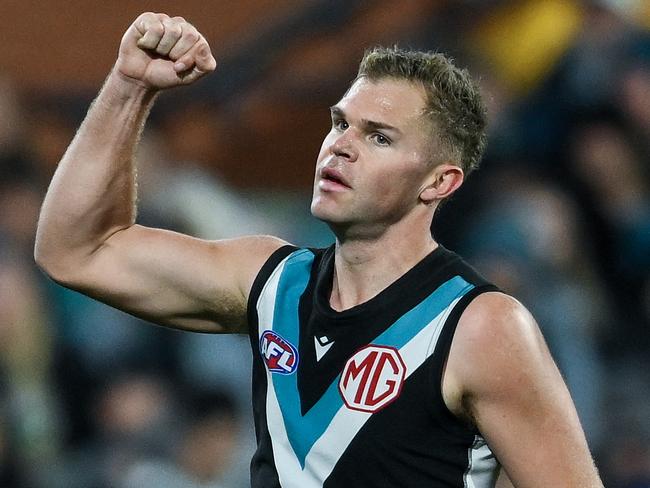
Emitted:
<point x="333" y="176"/>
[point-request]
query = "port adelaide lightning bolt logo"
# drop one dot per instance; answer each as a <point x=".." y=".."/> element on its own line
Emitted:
<point x="279" y="354"/>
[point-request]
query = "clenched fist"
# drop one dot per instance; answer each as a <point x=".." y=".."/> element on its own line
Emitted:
<point x="161" y="52"/>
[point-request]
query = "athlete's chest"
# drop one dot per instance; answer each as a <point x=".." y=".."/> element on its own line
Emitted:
<point x="364" y="362"/>
<point x="363" y="355"/>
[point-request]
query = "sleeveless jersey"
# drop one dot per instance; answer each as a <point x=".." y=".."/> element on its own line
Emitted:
<point x="353" y="398"/>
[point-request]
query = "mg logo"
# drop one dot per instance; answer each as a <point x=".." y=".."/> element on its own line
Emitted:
<point x="372" y="378"/>
<point x="279" y="355"/>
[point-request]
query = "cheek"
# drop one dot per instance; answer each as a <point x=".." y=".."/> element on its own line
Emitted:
<point x="397" y="187"/>
<point x="379" y="192"/>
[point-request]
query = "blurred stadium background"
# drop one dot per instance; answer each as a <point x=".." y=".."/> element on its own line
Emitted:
<point x="559" y="216"/>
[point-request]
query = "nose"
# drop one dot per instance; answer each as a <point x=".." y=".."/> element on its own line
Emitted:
<point x="344" y="146"/>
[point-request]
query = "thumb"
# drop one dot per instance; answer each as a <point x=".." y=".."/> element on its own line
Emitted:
<point x="197" y="62"/>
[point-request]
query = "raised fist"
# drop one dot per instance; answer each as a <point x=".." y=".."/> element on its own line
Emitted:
<point x="161" y="52"/>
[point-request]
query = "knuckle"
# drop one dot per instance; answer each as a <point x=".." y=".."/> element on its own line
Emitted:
<point x="146" y="15"/>
<point x="204" y="49"/>
<point x="192" y="36"/>
<point x="180" y="20"/>
<point x="172" y="26"/>
<point x="157" y="28"/>
<point x="144" y="19"/>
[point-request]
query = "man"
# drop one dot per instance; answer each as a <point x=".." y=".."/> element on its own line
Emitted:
<point x="357" y="381"/>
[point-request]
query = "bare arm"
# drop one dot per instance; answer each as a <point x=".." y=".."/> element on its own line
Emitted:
<point x="501" y="376"/>
<point x="87" y="238"/>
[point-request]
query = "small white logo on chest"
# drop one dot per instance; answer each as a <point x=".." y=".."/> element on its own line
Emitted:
<point x="322" y="345"/>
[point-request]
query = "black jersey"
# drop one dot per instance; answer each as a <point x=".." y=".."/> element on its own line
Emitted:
<point x="353" y="398"/>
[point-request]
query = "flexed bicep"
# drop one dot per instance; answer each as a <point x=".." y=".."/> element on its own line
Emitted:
<point x="176" y="280"/>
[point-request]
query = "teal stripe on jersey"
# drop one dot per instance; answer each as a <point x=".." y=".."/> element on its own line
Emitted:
<point x="303" y="431"/>
<point x="286" y="323"/>
<point x="292" y="284"/>
<point x="412" y="322"/>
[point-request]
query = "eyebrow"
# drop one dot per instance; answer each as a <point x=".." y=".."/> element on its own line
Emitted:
<point x="369" y="125"/>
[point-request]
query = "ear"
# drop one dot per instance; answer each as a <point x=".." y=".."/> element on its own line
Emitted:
<point x="444" y="180"/>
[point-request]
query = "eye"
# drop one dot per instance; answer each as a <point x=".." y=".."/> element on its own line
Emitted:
<point x="380" y="139"/>
<point x="340" y="124"/>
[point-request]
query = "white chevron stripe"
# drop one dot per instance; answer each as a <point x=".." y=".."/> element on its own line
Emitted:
<point x="289" y="471"/>
<point x="266" y="300"/>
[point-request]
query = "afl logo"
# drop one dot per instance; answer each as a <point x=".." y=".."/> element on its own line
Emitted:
<point x="279" y="355"/>
<point x="372" y="378"/>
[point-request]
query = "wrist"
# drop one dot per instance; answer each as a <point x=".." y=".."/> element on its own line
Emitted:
<point x="126" y="88"/>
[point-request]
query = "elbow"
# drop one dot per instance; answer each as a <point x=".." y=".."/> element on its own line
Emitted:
<point x="61" y="275"/>
<point x="54" y="264"/>
<point x="43" y="251"/>
<point x="46" y="263"/>
<point x="41" y="257"/>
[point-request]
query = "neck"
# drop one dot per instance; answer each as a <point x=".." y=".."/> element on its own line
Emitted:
<point x="363" y="267"/>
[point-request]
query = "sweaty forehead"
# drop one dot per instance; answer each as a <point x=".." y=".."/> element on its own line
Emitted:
<point x="398" y="100"/>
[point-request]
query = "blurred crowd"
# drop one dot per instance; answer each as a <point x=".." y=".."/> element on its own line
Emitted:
<point x="559" y="217"/>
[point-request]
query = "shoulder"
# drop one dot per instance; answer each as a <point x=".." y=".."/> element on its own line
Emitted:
<point x="497" y="348"/>
<point x="265" y="244"/>
<point x="493" y="320"/>
<point x="255" y="250"/>
<point x="271" y="253"/>
<point x="257" y="253"/>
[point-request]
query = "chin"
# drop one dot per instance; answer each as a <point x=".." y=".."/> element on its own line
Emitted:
<point x="319" y="211"/>
<point x="327" y="213"/>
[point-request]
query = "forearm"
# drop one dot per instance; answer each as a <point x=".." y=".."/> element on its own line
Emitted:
<point x="93" y="192"/>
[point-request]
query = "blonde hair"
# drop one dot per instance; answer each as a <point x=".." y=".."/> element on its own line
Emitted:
<point x="453" y="105"/>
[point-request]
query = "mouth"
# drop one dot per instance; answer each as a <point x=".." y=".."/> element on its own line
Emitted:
<point x="331" y="179"/>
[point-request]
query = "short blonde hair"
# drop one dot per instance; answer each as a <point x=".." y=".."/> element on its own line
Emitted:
<point x="454" y="105"/>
